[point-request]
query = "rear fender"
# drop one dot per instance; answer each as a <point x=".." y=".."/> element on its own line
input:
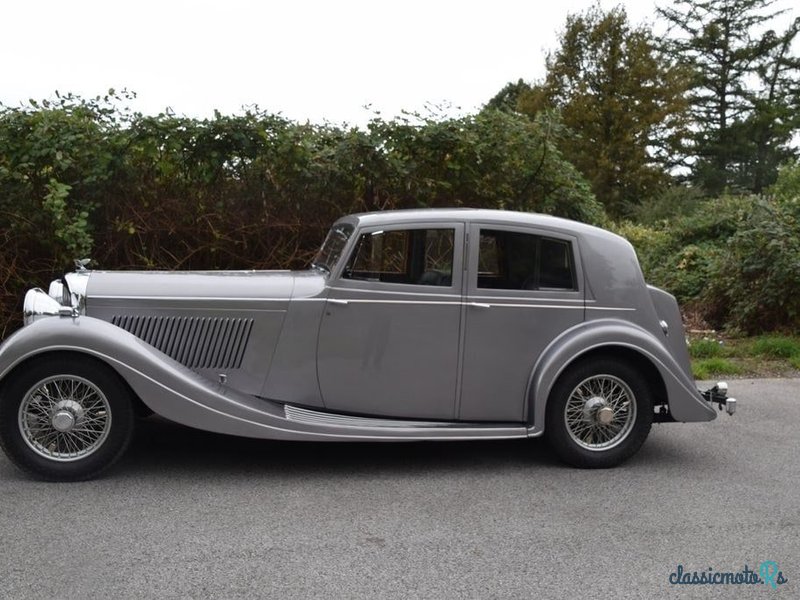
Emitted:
<point x="685" y="401"/>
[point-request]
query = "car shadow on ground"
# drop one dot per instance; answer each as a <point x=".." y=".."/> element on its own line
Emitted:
<point x="163" y="446"/>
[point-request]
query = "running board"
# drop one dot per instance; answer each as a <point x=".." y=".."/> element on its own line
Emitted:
<point x="445" y="429"/>
<point x="314" y="417"/>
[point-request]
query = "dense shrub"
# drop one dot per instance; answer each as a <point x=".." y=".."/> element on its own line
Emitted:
<point x="681" y="252"/>
<point x="757" y="287"/>
<point x="787" y="187"/>
<point x="86" y="177"/>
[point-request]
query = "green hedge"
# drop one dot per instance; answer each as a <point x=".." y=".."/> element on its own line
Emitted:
<point x="88" y="178"/>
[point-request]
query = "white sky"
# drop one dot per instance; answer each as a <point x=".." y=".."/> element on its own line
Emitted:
<point x="306" y="59"/>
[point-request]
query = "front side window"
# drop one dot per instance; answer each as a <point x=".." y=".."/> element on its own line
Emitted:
<point x="406" y="256"/>
<point x="509" y="260"/>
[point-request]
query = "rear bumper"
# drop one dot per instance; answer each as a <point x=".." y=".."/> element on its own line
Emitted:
<point x="719" y="395"/>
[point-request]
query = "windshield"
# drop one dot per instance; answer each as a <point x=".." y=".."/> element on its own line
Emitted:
<point x="332" y="247"/>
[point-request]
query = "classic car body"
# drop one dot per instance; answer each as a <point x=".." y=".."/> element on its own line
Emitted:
<point x="446" y="324"/>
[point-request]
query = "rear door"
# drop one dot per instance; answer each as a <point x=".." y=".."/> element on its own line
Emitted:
<point x="524" y="288"/>
<point x="389" y="337"/>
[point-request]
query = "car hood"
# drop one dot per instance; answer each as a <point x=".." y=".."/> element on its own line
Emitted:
<point x="104" y="286"/>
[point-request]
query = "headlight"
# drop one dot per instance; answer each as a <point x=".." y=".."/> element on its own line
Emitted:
<point x="56" y="292"/>
<point x="65" y="297"/>
<point x="38" y="304"/>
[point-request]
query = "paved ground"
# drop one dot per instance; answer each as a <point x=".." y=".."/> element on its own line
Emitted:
<point x="191" y="514"/>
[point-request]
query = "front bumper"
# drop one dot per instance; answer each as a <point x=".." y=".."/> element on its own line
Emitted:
<point x="719" y="395"/>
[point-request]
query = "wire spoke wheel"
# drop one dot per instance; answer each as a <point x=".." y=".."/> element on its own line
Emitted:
<point x="600" y="412"/>
<point x="64" y="418"/>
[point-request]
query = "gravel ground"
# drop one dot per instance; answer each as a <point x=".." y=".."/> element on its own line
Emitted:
<point x="191" y="514"/>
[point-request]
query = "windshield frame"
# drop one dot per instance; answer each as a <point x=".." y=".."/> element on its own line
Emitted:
<point x="330" y="253"/>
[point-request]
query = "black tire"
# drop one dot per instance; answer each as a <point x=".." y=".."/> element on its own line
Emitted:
<point x="631" y="436"/>
<point x="108" y="447"/>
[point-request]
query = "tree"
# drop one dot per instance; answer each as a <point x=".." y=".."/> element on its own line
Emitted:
<point x="507" y="99"/>
<point x="776" y="111"/>
<point x="739" y="134"/>
<point x="621" y="98"/>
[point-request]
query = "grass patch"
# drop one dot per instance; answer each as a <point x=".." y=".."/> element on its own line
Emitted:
<point x="795" y="362"/>
<point x="775" y="346"/>
<point x="706" y="368"/>
<point x="705" y="348"/>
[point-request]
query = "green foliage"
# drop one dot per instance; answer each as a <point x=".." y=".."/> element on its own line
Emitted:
<point x="623" y="102"/>
<point x="681" y="252"/>
<point x="69" y="226"/>
<point x="672" y="202"/>
<point x="744" y="102"/>
<point x="246" y="191"/>
<point x="757" y="285"/>
<point x="787" y="185"/>
<point x="735" y="260"/>
<point x="508" y="98"/>
<point x="705" y="348"/>
<point x="706" y="368"/>
<point x="775" y="346"/>
<point x="55" y="160"/>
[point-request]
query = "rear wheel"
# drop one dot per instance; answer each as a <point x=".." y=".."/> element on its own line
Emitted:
<point x="65" y="417"/>
<point x="599" y="413"/>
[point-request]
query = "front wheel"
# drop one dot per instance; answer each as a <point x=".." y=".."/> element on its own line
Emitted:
<point x="65" y="417"/>
<point x="599" y="413"/>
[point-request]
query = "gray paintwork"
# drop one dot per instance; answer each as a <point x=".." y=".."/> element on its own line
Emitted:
<point x="307" y="355"/>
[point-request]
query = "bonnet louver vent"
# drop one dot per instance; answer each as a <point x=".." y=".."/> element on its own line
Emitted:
<point x="197" y="342"/>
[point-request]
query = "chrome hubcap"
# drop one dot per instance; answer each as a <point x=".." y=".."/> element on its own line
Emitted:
<point x="64" y="418"/>
<point x="604" y="415"/>
<point x="63" y="421"/>
<point x="600" y="412"/>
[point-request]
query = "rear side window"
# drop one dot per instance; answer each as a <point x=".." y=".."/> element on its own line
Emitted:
<point x="509" y="260"/>
<point x="407" y="256"/>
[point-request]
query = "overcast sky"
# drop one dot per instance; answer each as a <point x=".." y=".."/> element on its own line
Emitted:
<point x="307" y="59"/>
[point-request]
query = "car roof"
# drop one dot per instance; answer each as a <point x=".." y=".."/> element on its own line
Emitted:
<point x="482" y="215"/>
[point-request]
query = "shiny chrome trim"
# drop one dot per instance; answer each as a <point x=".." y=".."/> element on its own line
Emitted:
<point x="531" y="299"/>
<point x="314" y="417"/>
<point x="38" y="304"/>
<point x="393" y="292"/>
<point x="64" y="418"/>
<point x="510" y="305"/>
<point x="199" y="298"/>
<point x="305" y="415"/>
<point x="532" y="304"/>
<point x="76" y="284"/>
<point x="57" y="291"/>
<point x="376" y="301"/>
<point x="600" y="412"/>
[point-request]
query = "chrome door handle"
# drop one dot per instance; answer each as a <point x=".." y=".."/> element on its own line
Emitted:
<point x="480" y="305"/>
<point x="337" y="301"/>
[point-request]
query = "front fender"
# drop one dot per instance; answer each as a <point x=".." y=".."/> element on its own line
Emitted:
<point x="685" y="401"/>
<point x="167" y="387"/>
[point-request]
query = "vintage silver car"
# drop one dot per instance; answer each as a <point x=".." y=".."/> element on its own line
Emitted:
<point x="448" y="324"/>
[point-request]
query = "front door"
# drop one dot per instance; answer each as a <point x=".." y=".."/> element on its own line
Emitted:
<point x="389" y="337"/>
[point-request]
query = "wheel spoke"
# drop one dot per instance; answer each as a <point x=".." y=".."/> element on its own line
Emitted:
<point x="590" y="427"/>
<point x="74" y="404"/>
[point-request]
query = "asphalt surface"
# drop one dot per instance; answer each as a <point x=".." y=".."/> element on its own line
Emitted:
<point x="191" y="514"/>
